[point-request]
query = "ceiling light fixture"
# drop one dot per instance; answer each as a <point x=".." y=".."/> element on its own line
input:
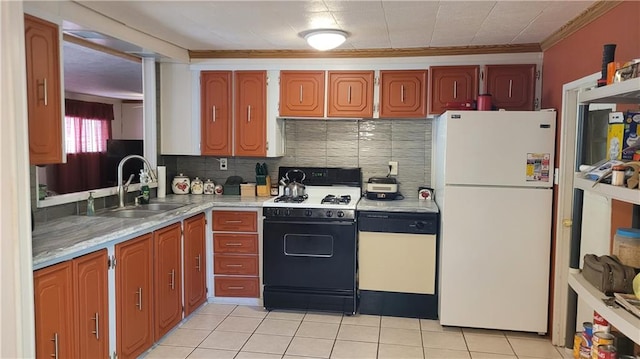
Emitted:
<point x="325" y="39"/>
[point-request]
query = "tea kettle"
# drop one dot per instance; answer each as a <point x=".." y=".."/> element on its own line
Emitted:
<point x="293" y="187"/>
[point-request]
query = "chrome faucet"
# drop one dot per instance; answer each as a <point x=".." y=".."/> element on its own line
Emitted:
<point x="123" y="188"/>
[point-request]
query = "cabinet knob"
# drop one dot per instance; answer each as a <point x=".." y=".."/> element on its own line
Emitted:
<point x="567" y="222"/>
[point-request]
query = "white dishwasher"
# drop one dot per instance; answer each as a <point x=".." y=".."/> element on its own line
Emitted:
<point x="397" y="263"/>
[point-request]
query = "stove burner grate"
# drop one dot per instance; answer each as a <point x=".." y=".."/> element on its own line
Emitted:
<point x="291" y="199"/>
<point x="332" y="199"/>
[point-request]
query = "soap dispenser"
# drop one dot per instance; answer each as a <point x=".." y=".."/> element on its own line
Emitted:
<point x="91" y="210"/>
<point x="144" y="187"/>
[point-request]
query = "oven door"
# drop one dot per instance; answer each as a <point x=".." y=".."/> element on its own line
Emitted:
<point x="309" y="255"/>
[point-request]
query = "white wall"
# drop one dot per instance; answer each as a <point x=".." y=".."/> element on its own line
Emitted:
<point x="17" y="331"/>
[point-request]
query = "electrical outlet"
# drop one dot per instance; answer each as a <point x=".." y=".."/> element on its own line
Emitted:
<point x="223" y="164"/>
<point x="393" y="168"/>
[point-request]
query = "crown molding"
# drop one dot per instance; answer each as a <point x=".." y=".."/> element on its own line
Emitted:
<point x="365" y="53"/>
<point x="596" y="10"/>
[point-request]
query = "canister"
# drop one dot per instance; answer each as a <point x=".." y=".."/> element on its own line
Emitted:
<point x="484" y="102"/>
<point x="626" y="246"/>
<point x="600" y="324"/>
<point x="600" y="339"/>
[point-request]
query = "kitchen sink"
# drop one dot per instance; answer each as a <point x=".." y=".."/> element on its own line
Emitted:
<point x="140" y="211"/>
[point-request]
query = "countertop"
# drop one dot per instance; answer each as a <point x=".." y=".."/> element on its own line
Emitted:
<point x="413" y="205"/>
<point x="68" y="237"/>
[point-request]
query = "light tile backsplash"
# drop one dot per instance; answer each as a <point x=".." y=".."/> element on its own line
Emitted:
<point x="369" y="144"/>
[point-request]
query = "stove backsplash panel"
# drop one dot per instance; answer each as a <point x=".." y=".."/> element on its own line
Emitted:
<point x="369" y="144"/>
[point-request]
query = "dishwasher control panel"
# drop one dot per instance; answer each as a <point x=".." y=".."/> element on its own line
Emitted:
<point x="398" y="222"/>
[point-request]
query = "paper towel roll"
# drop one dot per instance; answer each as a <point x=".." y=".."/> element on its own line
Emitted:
<point x="162" y="181"/>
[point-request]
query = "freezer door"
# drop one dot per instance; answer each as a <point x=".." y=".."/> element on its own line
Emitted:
<point x="508" y="148"/>
<point x="495" y="255"/>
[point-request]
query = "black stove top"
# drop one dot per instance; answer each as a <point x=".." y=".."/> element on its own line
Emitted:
<point x="291" y="199"/>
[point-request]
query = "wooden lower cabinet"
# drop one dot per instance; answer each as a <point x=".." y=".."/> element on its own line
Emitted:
<point x="195" y="269"/>
<point x="92" y="305"/>
<point x="54" y="306"/>
<point x="134" y="299"/>
<point x="167" y="279"/>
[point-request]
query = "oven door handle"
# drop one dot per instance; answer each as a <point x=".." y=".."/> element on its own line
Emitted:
<point x="340" y="223"/>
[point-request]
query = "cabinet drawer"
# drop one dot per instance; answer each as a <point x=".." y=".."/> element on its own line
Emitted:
<point x="235" y="264"/>
<point x="239" y="221"/>
<point x="237" y="287"/>
<point x="235" y="243"/>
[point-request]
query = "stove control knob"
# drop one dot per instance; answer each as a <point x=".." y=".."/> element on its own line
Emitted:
<point x="329" y="214"/>
<point x="276" y="212"/>
<point x="308" y="212"/>
<point x="287" y="212"/>
<point x="420" y="225"/>
<point x="340" y="214"/>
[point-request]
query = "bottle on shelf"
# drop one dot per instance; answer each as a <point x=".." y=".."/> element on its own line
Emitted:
<point x="91" y="210"/>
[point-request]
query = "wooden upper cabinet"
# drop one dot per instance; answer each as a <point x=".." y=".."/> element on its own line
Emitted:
<point x="216" y="113"/>
<point x="54" y="308"/>
<point x="350" y="94"/>
<point x="167" y="261"/>
<point x="195" y="269"/>
<point x="134" y="304"/>
<point x="403" y="94"/>
<point x="512" y="87"/>
<point x="44" y="102"/>
<point x="251" y="113"/>
<point x="92" y="308"/>
<point x="302" y="93"/>
<point x="452" y="84"/>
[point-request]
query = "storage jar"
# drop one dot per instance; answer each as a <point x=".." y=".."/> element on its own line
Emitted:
<point x="626" y="246"/>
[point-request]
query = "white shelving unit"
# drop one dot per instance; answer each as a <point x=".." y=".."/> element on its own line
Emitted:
<point x="627" y="92"/>
<point x="627" y="323"/>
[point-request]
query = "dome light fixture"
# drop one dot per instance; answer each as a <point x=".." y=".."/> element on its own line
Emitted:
<point x="324" y="39"/>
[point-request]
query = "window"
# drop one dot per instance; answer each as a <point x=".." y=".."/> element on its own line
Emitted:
<point x="87" y="126"/>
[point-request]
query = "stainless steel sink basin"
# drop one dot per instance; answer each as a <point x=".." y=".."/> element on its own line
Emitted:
<point x="140" y="211"/>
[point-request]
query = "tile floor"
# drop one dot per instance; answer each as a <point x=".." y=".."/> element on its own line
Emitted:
<point x="244" y="332"/>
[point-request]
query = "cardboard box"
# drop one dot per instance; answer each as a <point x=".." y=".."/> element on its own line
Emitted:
<point x="615" y="136"/>
<point x="631" y="136"/>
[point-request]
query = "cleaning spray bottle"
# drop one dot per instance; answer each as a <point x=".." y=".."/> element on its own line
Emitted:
<point x="144" y="187"/>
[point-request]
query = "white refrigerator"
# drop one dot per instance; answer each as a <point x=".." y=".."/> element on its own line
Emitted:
<point x="493" y="185"/>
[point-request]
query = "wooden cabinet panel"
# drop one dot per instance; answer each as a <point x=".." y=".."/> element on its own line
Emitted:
<point x="452" y="84"/>
<point x="54" y="308"/>
<point x="92" y="307"/>
<point x="195" y="270"/>
<point x="235" y="264"/>
<point x="235" y="221"/>
<point x="350" y="94"/>
<point x="216" y="113"/>
<point x="134" y="311"/>
<point x="512" y="87"/>
<point x="251" y="113"/>
<point x="403" y="93"/>
<point x="302" y="93"/>
<point x="235" y="243"/>
<point x="237" y="287"/>
<point x="167" y="278"/>
<point x="43" y="91"/>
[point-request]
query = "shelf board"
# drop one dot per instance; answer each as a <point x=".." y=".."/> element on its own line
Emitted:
<point x="614" y="192"/>
<point x="621" y="92"/>
<point x="627" y="323"/>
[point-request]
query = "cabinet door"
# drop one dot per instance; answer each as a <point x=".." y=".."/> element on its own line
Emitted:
<point x="43" y="91"/>
<point x="403" y="94"/>
<point x="235" y="264"/>
<point x="168" y="274"/>
<point x="134" y="311"/>
<point x="350" y="94"/>
<point x="91" y="293"/>
<point x="302" y="93"/>
<point x="215" y="97"/>
<point x="54" y="308"/>
<point x="452" y="84"/>
<point x="195" y="269"/>
<point x="251" y="115"/>
<point x="512" y="87"/>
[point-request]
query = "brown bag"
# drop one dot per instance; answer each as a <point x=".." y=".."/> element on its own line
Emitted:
<point x="607" y="274"/>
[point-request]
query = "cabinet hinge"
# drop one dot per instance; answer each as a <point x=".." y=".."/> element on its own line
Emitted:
<point x="536" y="104"/>
<point x="206" y="290"/>
<point x="111" y="262"/>
<point x="538" y="74"/>
<point x="268" y="80"/>
<point x="376" y="107"/>
<point x="376" y="80"/>
<point x="114" y="355"/>
<point x="267" y="145"/>
<point x="482" y="75"/>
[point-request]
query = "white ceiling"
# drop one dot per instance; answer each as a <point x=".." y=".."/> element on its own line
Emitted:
<point x="275" y="25"/>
